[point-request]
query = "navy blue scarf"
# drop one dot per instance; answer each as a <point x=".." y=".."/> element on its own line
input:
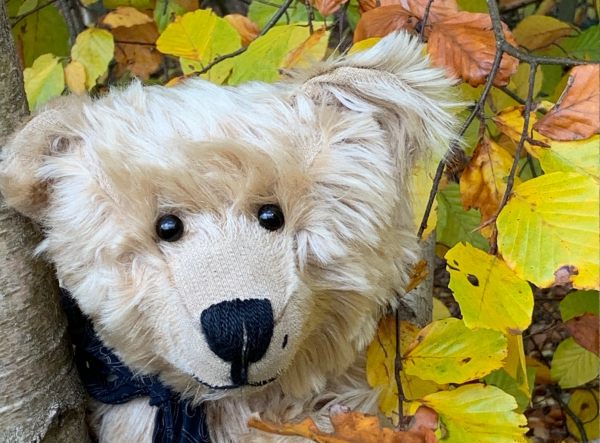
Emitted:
<point x="108" y="380"/>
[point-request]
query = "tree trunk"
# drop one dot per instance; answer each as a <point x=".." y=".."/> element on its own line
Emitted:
<point x="40" y="395"/>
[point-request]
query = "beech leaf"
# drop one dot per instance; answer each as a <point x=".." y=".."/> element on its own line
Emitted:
<point x="75" y="77"/>
<point x="381" y="21"/>
<point x="579" y="303"/>
<point x="584" y="404"/>
<point x="94" y="49"/>
<point x="125" y="16"/>
<point x="247" y="29"/>
<point x="140" y="60"/>
<point x="584" y="330"/>
<point x="44" y="80"/>
<point x="539" y="31"/>
<point x="573" y="365"/>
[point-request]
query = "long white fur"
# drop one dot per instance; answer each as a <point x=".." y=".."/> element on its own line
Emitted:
<point x="333" y="146"/>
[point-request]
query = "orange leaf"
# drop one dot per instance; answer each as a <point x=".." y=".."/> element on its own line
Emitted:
<point x="381" y="21"/>
<point x="139" y="57"/>
<point x="439" y="10"/>
<point x="299" y="55"/>
<point x="584" y="330"/>
<point x="328" y="7"/>
<point x="355" y="427"/>
<point x="482" y="183"/>
<point x="577" y="115"/>
<point x="465" y="45"/>
<point x="247" y="29"/>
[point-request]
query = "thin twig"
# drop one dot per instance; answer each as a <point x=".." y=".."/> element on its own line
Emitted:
<point x="397" y="372"/>
<point x="18" y="18"/>
<point x="511" y="94"/>
<point x="133" y="42"/>
<point x="510" y="182"/>
<point x="272" y="22"/>
<point x="565" y="407"/>
<point x="425" y="19"/>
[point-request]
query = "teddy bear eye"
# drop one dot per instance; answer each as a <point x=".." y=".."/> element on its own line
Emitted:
<point x="169" y="228"/>
<point x="270" y="217"/>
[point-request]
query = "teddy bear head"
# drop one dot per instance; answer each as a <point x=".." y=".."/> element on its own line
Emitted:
<point x="230" y="238"/>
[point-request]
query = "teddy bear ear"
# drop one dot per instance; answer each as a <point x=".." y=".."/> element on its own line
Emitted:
<point x="393" y="81"/>
<point x="23" y="155"/>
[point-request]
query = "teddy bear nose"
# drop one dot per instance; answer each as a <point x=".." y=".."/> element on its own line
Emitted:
<point x="239" y="332"/>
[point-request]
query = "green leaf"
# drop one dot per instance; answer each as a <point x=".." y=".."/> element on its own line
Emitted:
<point x="481" y="282"/>
<point x="581" y="156"/>
<point x="44" y="80"/>
<point x="586" y="45"/>
<point x="454" y="223"/>
<point x="166" y="11"/>
<point x="473" y="5"/>
<point x="540" y="31"/>
<point x="549" y="230"/>
<point x="573" y="365"/>
<point x="478" y="413"/>
<point x="446" y="351"/>
<point x="261" y="12"/>
<point x="501" y="379"/>
<point x="138" y="4"/>
<point x="27" y="6"/>
<point x="94" y="49"/>
<point x="578" y="303"/>
<point x="268" y="53"/>
<point x="42" y="32"/>
<point x="519" y="84"/>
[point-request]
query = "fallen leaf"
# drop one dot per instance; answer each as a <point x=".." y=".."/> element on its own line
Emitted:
<point x="464" y="44"/>
<point x="247" y="29"/>
<point x="573" y="365"/>
<point x="577" y="115"/>
<point x="75" y="77"/>
<point x="478" y="413"/>
<point x="481" y="282"/>
<point x="125" y="16"/>
<point x="447" y="351"/>
<point x="94" y="49"/>
<point x="549" y="222"/>
<point x="381" y="21"/>
<point x="584" y="330"/>
<point x="539" y="31"/>
<point x="584" y="404"/>
<point x="353" y="427"/>
<point x="483" y="182"/>
<point x="44" y="80"/>
<point x="139" y="57"/>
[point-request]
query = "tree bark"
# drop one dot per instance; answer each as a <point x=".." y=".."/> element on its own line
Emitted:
<point x="41" y="399"/>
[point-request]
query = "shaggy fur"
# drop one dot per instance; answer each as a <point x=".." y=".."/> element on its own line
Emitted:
<point x="333" y="147"/>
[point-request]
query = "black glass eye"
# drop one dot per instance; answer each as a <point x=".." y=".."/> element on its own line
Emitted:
<point x="169" y="228"/>
<point x="270" y="217"/>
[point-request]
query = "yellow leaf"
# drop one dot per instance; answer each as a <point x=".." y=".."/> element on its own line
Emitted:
<point x="200" y="35"/>
<point x="581" y="156"/>
<point x="549" y="230"/>
<point x="44" y="80"/>
<point x="311" y="50"/>
<point x="381" y="366"/>
<point x="363" y="45"/>
<point x="422" y="181"/>
<point x="125" y="16"/>
<point x="446" y="351"/>
<point x="94" y="49"/>
<point x="584" y="404"/>
<point x="539" y="31"/>
<point x="481" y="282"/>
<point x="573" y="365"/>
<point x="478" y="413"/>
<point x="440" y="311"/>
<point x="516" y="365"/>
<point x="75" y="77"/>
<point x="268" y="53"/>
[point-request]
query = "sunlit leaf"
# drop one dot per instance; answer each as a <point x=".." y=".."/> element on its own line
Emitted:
<point x="581" y="156"/>
<point x="579" y="303"/>
<point x="577" y="115"/>
<point x="75" y="77"/>
<point x="584" y="404"/>
<point x="550" y="227"/>
<point x="94" y="49"/>
<point x="539" y="31"/>
<point x="446" y="351"/>
<point x="481" y="282"/>
<point x="478" y="413"/>
<point x="44" y="80"/>
<point x="573" y="365"/>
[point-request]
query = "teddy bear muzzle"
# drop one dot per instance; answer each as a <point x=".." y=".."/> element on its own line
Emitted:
<point x="239" y="332"/>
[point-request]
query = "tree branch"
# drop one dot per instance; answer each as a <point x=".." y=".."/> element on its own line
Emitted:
<point x="19" y="18"/>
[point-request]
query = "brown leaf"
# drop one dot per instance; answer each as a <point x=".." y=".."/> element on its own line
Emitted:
<point x="539" y="31"/>
<point x="576" y="116"/>
<point x="355" y="427"/>
<point x="139" y="56"/>
<point x="584" y="330"/>
<point x="125" y="16"/>
<point x="439" y="8"/>
<point x="381" y="21"/>
<point x="247" y="29"/>
<point x="419" y="273"/>
<point x="465" y="45"/>
<point x="327" y="7"/>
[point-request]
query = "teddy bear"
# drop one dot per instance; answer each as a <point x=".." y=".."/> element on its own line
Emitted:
<point x="227" y="252"/>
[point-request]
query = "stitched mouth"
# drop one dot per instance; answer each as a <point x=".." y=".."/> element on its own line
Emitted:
<point x="234" y="386"/>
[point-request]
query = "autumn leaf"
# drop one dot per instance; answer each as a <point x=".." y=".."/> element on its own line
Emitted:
<point x="481" y="282"/>
<point x="44" y="80"/>
<point x="539" y="31"/>
<point x="310" y="50"/>
<point x="483" y="182"/>
<point x="353" y="427"/>
<point x="94" y="49"/>
<point x="166" y="11"/>
<point x="381" y="21"/>
<point x="577" y="114"/>
<point x="584" y="330"/>
<point x="125" y="16"/>
<point x="439" y="9"/>
<point x="550" y="225"/>
<point x="446" y="351"/>
<point x="75" y="77"/>
<point x="478" y="413"/>
<point x="573" y="365"/>
<point x="584" y="404"/>
<point x="139" y="57"/>
<point x="464" y="44"/>
<point x="581" y="156"/>
<point x="247" y="29"/>
<point x="327" y="7"/>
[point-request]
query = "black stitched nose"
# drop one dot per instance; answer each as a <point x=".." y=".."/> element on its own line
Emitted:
<point x="239" y="331"/>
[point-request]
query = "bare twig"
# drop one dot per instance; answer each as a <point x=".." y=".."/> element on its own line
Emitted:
<point x="556" y="393"/>
<point x="511" y="94"/>
<point x="19" y="18"/>
<point x="272" y="22"/>
<point x="425" y="19"/>
<point x="397" y="371"/>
